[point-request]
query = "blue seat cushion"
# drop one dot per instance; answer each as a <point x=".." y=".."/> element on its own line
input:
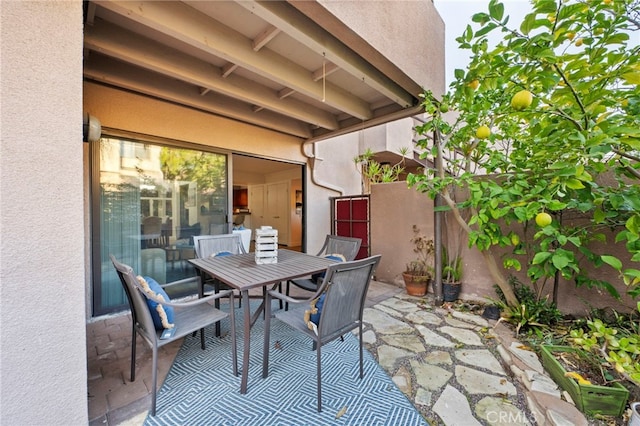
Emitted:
<point x="222" y="253"/>
<point x="162" y="315"/>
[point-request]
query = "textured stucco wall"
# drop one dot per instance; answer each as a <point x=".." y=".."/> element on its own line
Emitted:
<point x="42" y="337"/>
<point x="125" y="111"/>
<point x="394" y="210"/>
<point x="398" y="29"/>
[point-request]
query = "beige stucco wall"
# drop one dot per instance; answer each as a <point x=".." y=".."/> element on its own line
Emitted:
<point x="398" y="29"/>
<point x="125" y="111"/>
<point x="42" y="259"/>
<point x="396" y="208"/>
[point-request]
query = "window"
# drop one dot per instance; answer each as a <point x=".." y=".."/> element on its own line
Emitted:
<point x="149" y="203"/>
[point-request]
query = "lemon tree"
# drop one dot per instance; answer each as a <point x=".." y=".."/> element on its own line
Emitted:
<point x="561" y="95"/>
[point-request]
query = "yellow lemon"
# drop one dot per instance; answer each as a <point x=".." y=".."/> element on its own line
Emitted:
<point x="543" y="219"/>
<point x="521" y="100"/>
<point x="607" y="2"/>
<point x="571" y="35"/>
<point x="474" y="84"/>
<point x="579" y="42"/>
<point x="483" y="132"/>
<point x="444" y="108"/>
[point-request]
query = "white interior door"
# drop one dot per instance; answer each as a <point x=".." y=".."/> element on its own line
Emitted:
<point x="278" y="209"/>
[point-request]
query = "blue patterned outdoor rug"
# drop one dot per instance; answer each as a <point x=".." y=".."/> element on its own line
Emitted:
<point x="200" y="388"/>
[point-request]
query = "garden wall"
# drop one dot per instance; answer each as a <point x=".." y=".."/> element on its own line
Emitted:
<point x="396" y="208"/>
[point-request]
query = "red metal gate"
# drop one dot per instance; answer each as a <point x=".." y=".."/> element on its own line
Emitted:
<point x="350" y="218"/>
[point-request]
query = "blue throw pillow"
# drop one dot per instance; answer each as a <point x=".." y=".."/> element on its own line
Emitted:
<point x="315" y="318"/>
<point x="152" y="287"/>
<point x="320" y="276"/>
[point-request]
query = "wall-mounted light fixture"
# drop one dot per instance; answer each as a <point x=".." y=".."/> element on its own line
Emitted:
<point x="91" y="128"/>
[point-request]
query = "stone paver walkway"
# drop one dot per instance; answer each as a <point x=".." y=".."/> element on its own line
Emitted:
<point x="459" y="369"/>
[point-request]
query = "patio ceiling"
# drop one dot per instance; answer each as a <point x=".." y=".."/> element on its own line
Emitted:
<point x="271" y="64"/>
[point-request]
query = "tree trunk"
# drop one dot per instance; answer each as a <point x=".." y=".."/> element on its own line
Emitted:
<point x="489" y="258"/>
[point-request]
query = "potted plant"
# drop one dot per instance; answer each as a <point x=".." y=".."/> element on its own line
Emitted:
<point x="374" y="172"/>
<point x="419" y="271"/>
<point x="451" y="276"/>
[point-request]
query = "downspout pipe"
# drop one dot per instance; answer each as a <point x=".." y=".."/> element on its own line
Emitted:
<point x="314" y="177"/>
<point x="437" y="228"/>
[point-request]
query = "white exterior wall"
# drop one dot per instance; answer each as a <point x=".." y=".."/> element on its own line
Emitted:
<point x="42" y="337"/>
<point x="391" y="137"/>
<point x="333" y="174"/>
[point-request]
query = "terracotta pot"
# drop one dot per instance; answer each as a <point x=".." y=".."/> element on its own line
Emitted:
<point x="416" y="285"/>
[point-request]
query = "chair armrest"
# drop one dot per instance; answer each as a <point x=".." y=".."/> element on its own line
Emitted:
<point x="195" y="302"/>
<point x="195" y="280"/>
<point x="276" y="294"/>
<point x="188" y="303"/>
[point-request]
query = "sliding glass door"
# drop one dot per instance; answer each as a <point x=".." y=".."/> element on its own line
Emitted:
<point x="148" y="201"/>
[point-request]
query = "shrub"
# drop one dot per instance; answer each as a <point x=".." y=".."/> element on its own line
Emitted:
<point x="532" y="314"/>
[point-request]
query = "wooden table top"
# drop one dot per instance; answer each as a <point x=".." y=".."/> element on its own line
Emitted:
<point x="240" y="271"/>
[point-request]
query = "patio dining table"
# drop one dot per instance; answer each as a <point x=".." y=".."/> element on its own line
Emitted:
<point x="241" y="272"/>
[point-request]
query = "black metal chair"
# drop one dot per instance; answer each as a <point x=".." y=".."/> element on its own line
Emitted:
<point x="344" y="288"/>
<point x="189" y="317"/>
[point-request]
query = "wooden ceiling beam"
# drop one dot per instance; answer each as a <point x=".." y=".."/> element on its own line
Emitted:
<point x="265" y="37"/>
<point x="110" y="71"/>
<point x="280" y="14"/>
<point x="188" y="25"/>
<point x="129" y="47"/>
<point x="328" y="69"/>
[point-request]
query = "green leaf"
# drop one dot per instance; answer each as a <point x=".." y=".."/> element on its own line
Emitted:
<point x="612" y="261"/>
<point x="598" y="216"/>
<point x="480" y="18"/>
<point x="486" y="29"/>
<point x="527" y="23"/>
<point x="541" y="257"/>
<point x="574" y="184"/>
<point x="556" y="205"/>
<point x="496" y="10"/>
<point x="545" y="6"/>
<point x="560" y="260"/>
<point x="632" y="77"/>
